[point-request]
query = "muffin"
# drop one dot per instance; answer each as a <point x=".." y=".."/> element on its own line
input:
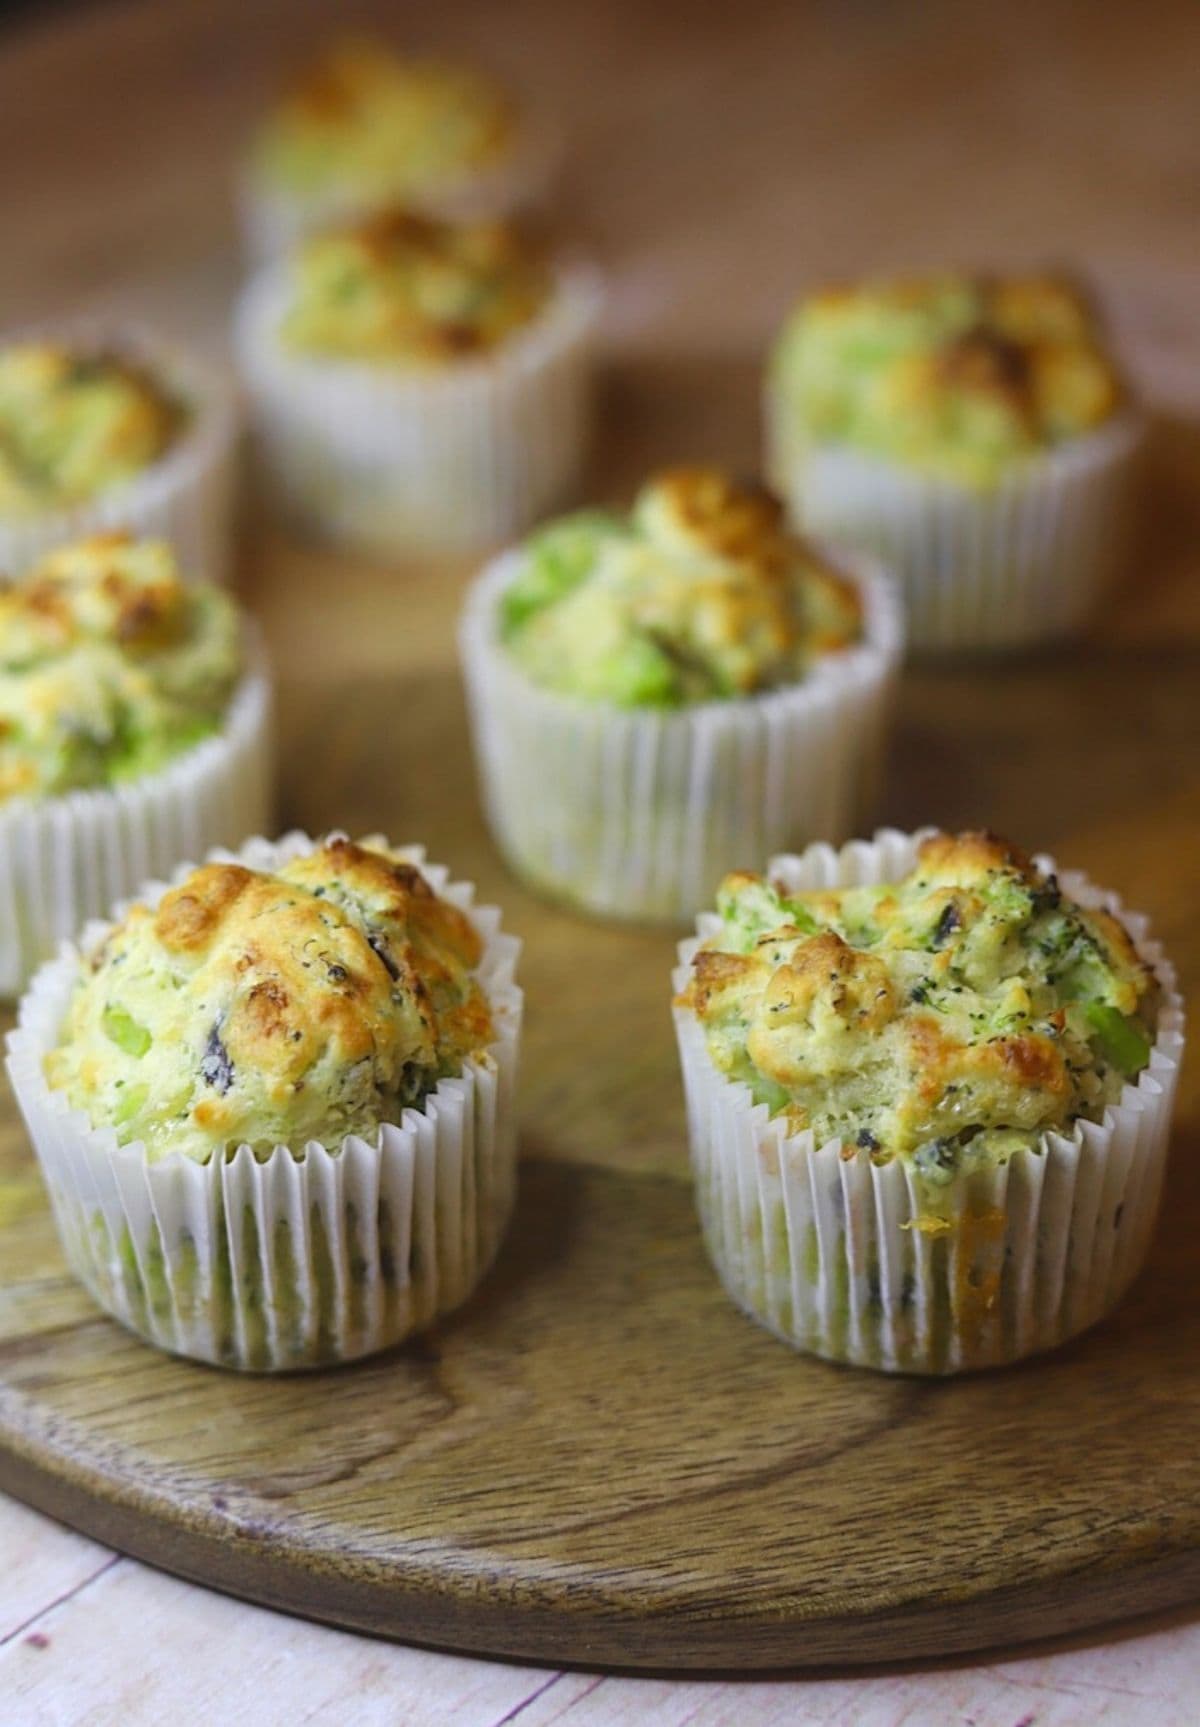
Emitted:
<point x="418" y="383"/>
<point x="974" y="432"/>
<point x="365" y="127"/>
<point x="929" y="1085"/>
<point x="107" y="430"/>
<point x="273" y="1102"/>
<point x="657" y="694"/>
<point x="134" y="732"/>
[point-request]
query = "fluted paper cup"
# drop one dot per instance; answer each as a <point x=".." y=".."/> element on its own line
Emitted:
<point x="394" y="459"/>
<point x="638" y="812"/>
<point x="66" y="859"/>
<point x="187" y="496"/>
<point x="822" y="1246"/>
<point x="1025" y="560"/>
<point x="303" y="1256"/>
<point x="272" y="219"/>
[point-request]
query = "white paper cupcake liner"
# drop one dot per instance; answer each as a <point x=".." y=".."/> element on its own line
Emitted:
<point x="639" y="812"/>
<point x="272" y="220"/>
<point x="818" y="1244"/>
<point x="66" y="859"/>
<point x="1023" y="561"/>
<point x="187" y="497"/>
<point x="392" y="459"/>
<point x="302" y="1257"/>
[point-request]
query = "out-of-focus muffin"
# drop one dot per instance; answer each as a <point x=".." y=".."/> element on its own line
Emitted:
<point x="73" y="426"/>
<point x="108" y="430"/>
<point x="655" y="691"/>
<point x="365" y="127"/>
<point x="417" y="382"/>
<point x="406" y="290"/>
<point x="700" y="594"/>
<point x="974" y="431"/>
<point x="134" y="721"/>
<point x="110" y="665"/>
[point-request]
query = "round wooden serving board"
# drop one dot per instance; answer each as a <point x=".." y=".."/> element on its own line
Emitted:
<point x="599" y="1461"/>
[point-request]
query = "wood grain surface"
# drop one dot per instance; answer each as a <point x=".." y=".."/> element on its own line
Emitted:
<point x="599" y="1462"/>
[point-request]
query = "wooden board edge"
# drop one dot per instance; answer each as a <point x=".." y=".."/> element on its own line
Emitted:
<point x="586" y="1634"/>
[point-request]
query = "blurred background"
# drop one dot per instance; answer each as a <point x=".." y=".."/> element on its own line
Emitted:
<point x="808" y="140"/>
<point x="719" y="160"/>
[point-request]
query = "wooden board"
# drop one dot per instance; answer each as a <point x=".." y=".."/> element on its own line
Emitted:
<point x="599" y="1461"/>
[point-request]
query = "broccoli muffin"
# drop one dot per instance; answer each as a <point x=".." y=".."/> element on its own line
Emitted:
<point x="100" y="431"/>
<point x="135" y="721"/>
<point x="957" y="375"/>
<point x="405" y="289"/>
<point x="74" y="425"/>
<point x="948" y="1018"/>
<point x="970" y="429"/>
<point x="653" y="692"/>
<point x="110" y="666"/>
<point x="418" y="383"/>
<point x="365" y="126"/>
<point x="956" y="1035"/>
<point x="699" y="594"/>
<point x="316" y="1043"/>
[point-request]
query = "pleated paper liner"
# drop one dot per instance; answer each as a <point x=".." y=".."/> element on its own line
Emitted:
<point x="303" y="1256"/>
<point x="1025" y="560"/>
<point x="822" y="1247"/>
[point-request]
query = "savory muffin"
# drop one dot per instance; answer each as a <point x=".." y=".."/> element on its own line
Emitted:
<point x="110" y="666"/>
<point x="972" y="431"/>
<point x="76" y="424"/>
<point x="263" y="1009"/>
<point x="274" y="1101"/>
<point x="948" y="1018"/>
<point x="417" y="382"/>
<point x="406" y="289"/>
<point x="135" y="727"/>
<point x="939" y="1077"/>
<point x="367" y="125"/>
<point x="955" y="375"/>
<point x="699" y="594"/>
<point x="654" y="692"/>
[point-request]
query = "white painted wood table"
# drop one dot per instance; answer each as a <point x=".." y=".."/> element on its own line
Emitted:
<point x="823" y="140"/>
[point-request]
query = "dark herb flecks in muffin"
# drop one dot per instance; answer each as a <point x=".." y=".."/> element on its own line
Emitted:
<point x="949" y="1019"/>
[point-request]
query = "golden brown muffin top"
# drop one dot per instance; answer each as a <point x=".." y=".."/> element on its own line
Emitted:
<point x="316" y="1000"/>
<point x="946" y="1018"/>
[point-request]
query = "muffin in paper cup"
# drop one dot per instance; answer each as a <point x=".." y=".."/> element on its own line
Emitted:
<point x="991" y="463"/>
<point x="203" y="774"/>
<point x="450" y="441"/>
<point x="365" y="127"/>
<point x="636" y="810"/>
<point x="300" y="1253"/>
<point x="835" y="1250"/>
<point x="186" y="491"/>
